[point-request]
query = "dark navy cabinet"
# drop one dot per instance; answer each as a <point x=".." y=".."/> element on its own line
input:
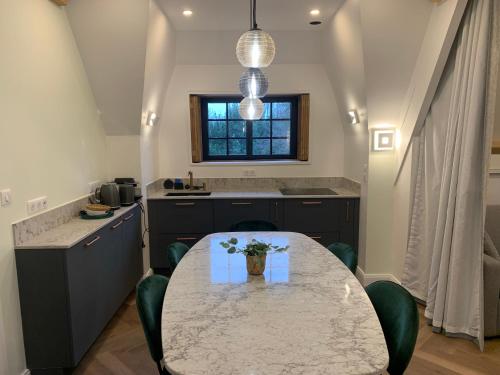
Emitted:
<point x="68" y="296"/>
<point x="326" y="220"/>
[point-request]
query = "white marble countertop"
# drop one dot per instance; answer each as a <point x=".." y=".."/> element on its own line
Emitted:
<point x="306" y="315"/>
<point x="255" y="194"/>
<point x="69" y="234"/>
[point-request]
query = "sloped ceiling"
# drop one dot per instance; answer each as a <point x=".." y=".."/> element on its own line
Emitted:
<point x="112" y="37"/>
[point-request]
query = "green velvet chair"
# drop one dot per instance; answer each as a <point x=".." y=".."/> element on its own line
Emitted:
<point x="346" y="254"/>
<point x="397" y="311"/>
<point x="149" y="298"/>
<point x="254" y="226"/>
<point x="175" y="252"/>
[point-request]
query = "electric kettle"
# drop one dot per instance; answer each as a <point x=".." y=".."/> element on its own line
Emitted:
<point x="109" y="195"/>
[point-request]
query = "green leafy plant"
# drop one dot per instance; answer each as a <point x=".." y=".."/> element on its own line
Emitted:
<point x="253" y="248"/>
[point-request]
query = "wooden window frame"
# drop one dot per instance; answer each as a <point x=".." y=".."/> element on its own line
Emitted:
<point x="299" y="138"/>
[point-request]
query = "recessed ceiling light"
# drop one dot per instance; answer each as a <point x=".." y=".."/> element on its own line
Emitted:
<point x="187" y="13"/>
<point x="314" y="12"/>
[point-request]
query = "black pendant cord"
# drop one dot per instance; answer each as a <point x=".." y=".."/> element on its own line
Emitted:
<point x="253" y="15"/>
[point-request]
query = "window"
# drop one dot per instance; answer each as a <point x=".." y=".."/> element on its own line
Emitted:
<point x="226" y="136"/>
<point x="218" y="133"/>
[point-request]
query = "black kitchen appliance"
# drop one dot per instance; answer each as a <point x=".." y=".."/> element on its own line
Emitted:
<point x="129" y="190"/>
<point x="108" y="195"/>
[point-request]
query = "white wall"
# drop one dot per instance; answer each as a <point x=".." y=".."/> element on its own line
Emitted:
<point x="326" y="151"/>
<point x="344" y="62"/>
<point x="342" y="47"/>
<point x="123" y="156"/>
<point x="218" y="47"/>
<point x="393" y="31"/>
<point x="159" y="66"/>
<point x="206" y="64"/>
<point x="111" y="36"/>
<point x="52" y="141"/>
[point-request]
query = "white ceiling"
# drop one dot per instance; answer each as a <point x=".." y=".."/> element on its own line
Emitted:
<point x="235" y="14"/>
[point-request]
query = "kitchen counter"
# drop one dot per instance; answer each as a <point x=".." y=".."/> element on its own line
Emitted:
<point x="256" y="194"/>
<point x="69" y="234"/>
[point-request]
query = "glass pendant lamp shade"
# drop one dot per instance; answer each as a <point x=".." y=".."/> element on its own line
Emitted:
<point x="255" y="49"/>
<point x="251" y="109"/>
<point x="253" y="83"/>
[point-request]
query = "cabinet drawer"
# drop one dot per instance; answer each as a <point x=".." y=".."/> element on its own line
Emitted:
<point x="159" y="244"/>
<point x="228" y="212"/>
<point x="181" y="216"/>
<point x="312" y="215"/>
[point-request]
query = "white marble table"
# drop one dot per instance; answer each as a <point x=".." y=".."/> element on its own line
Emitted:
<point x="306" y="315"/>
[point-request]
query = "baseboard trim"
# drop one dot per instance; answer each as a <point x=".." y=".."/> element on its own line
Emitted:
<point x="368" y="278"/>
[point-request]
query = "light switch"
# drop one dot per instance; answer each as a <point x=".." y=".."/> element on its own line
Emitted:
<point x="5" y="197"/>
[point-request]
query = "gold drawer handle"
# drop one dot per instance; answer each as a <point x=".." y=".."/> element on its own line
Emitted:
<point x="129" y="217"/>
<point x="88" y="244"/>
<point x="311" y="203"/>
<point x="186" y="239"/>
<point x="185" y="204"/>
<point x="316" y="237"/>
<point x="241" y="203"/>
<point x="117" y="224"/>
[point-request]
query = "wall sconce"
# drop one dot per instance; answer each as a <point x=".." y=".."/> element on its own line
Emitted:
<point x="353" y="116"/>
<point x="383" y="140"/>
<point x="152" y="119"/>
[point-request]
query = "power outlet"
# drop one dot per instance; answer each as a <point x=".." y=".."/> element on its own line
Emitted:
<point x="5" y="197"/>
<point x="37" y="205"/>
<point x="249" y="173"/>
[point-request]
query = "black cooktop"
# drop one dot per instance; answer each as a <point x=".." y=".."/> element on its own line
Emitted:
<point x="308" y="191"/>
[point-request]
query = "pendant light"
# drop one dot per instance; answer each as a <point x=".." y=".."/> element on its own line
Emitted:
<point x="255" y="48"/>
<point x="253" y="83"/>
<point x="251" y="109"/>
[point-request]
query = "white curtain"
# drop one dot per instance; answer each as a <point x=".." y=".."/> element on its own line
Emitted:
<point x="444" y="261"/>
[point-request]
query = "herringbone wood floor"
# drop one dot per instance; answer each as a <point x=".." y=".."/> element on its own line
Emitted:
<point x="122" y="350"/>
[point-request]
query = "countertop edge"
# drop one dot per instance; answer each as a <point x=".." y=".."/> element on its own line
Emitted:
<point x="342" y="193"/>
<point x="31" y="245"/>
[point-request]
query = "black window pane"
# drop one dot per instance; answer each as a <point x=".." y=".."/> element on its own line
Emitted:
<point x="233" y="111"/>
<point x="281" y="129"/>
<point x="217" y="147"/>
<point x="261" y="147"/>
<point x="216" y="111"/>
<point x="217" y="129"/>
<point x="237" y="129"/>
<point x="237" y="147"/>
<point x="261" y="129"/>
<point x="281" y="146"/>
<point x="267" y="111"/>
<point x="281" y="110"/>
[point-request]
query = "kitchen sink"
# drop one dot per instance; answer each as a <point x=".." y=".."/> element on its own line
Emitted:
<point x="188" y="194"/>
<point x="308" y="191"/>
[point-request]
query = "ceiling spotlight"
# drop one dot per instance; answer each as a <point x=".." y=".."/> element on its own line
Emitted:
<point x="187" y="13"/>
<point x="314" y="12"/>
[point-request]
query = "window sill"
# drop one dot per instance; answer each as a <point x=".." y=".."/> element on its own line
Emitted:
<point x="249" y="163"/>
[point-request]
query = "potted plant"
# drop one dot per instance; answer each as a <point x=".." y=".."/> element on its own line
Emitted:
<point x="255" y="252"/>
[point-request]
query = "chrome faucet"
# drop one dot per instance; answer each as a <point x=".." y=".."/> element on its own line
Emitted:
<point x="191" y="183"/>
